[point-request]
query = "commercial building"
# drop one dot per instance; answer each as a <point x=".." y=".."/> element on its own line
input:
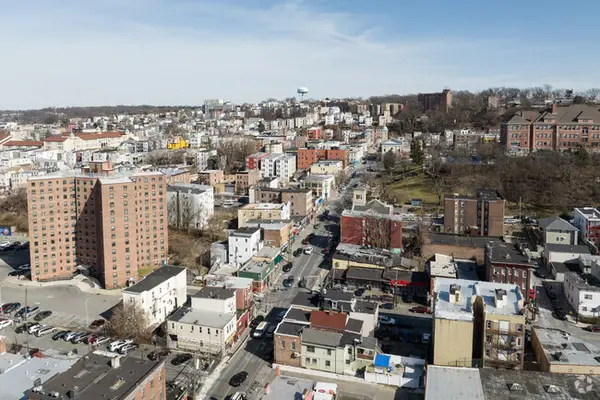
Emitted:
<point x="209" y="325"/>
<point x="441" y="101"/>
<point x="190" y="206"/>
<point x="478" y="324"/>
<point x="327" y="167"/>
<point x="262" y="211"/>
<point x="106" y="223"/>
<point x="399" y="146"/>
<point x="275" y="233"/>
<point x="300" y="200"/>
<point x="321" y="185"/>
<point x="97" y="376"/>
<point x="560" y="352"/>
<point x="554" y="128"/>
<point x="587" y="220"/>
<point x="583" y="293"/>
<point x="243" y="244"/>
<point x="482" y="215"/>
<point x="372" y="225"/>
<point x="158" y="294"/>
<point x="507" y="263"/>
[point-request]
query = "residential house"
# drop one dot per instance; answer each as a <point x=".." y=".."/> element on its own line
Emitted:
<point x="300" y="200"/>
<point x="558" y="231"/>
<point x="285" y="168"/>
<point x="243" y="244"/>
<point x="209" y="325"/>
<point x="327" y="167"/>
<point x="583" y="293"/>
<point x="159" y="293"/>
<point x="275" y="233"/>
<point x="507" y="263"/>
<point x="244" y="180"/>
<point x="210" y="177"/>
<point x="587" y="220"/>
<point x="202" y="157"/>
<point x="321" y="185"/>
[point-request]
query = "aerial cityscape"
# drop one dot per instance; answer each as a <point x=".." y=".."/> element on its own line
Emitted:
<point x="210" y="224"/>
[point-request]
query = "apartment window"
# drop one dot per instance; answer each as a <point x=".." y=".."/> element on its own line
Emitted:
<point x="327" y="363"/>
<point x="328" y="352"/>
<point x="307" y="360"/>
<point x="489" y="324"/>
<point x="588" y="297"/>
<point x="503" y="271"/>
<point x="310" y="349"/>
<point x="283" y="344"/>
<point x="208" y="331"/>
<point x="524" y="274"/>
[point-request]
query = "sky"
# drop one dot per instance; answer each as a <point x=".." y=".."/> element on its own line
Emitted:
<point x="180" y="52"/>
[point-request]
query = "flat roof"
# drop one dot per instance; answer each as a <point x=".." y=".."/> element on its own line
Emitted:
<point x="567" y="248"/>
<point x="97" y="380"/>
<point x="445" y="266"/>
<point x="503" y="252"/>
<point x="318" y="177"/>
<point x="267" y="252"/>
<point x="322" y="338"/>
<point x="446" y="307"/>
<point x="287" y="388"/>
<point x="262" y="206"/>
<point x="212" y="292"/>
<point x="290" y="328"/>
<point x="156" y="278"/>
<point x="560" y="347"/>
<point x="212" y="319"/>
<point x="355" y="253"/>
<point x="120" y="177"/>
<point x="245" y="232"/>
<point x="254" y="266"/>
<point x="453" y="383"/>
<point x="589" y="212"/>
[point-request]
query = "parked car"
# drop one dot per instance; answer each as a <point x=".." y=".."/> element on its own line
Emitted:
<point x="592" y="328"/>
<point x="27" y="311"/>
<point x="408" y="298"/>
<point x="5" y="322"/>
<point x="10" y="307"/>
<point x="34" y="328"/>
<point x="287" y="267"/>
<point x="297" y="252"/>
<point x="60" y="335"/>
<point x="97" y="324"/>
<point x="42" y="315"/>
<point x="281" y="315"/>
<point x="128" y="348"/>
<point x="25" y="327"/>
<point x="419" y="310"/>
<point x="308" y="250"/>
<point x="19" y="273"/>
<point x="238" y="379"/>
<point x="558" y="314"/>
<point x="80" y="338"/>
<point x="288" y="282"/>
<point x="46" y="330"/>
<point x="24" y="267"/>
<point x="305" y="240"/>
<point x="181" y="358"/>
<point x="386" y="320"/>
<point x="388" y="306"/>
<point x="70" y="335"/>
<point x="117" y="344"/>
<point x="156" y="354"/>
<point x="89" y="339"/>
<point x="359" y="292"/>
<point x="4" y="245"/>
<point x="97" y="341"/>
<point x="426" y="338"/>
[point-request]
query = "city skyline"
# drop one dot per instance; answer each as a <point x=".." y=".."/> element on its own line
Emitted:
<point x="180" y="52"/>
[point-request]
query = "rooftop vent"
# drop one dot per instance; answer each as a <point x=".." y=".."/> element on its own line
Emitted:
<point x="500" y="298"/>
<point x="515" y="387"/>
<point x="551" y="389"/>
<point x="557" y="356"/>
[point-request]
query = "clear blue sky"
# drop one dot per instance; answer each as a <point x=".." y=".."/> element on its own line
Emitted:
<point x="83" y="52"/>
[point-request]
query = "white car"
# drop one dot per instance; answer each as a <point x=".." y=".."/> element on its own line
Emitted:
<point x="34" y="328"/>
<point x="5" y="322"/>
<point x="4" y="244"/>
<point x="117" y="344"/>
<point x="308" y="250"/>
<point x="385" y="320"/>
<point x="24" y="267"/>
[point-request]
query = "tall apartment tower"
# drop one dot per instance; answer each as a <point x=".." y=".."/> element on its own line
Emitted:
<point x="441" y="101"/>
<point x="110" y="224"/>
<point x="481" y="215"/>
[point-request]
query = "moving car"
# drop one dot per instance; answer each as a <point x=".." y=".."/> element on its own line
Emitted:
<point x="419" y="310"/>
<point x="238" y="379"/>
<point x="42" y="315"/>
<point x="308" y="250"/>
<point x="156" y="354"/>
<point x="288" y="282"/>
<point x="181" y="358"/>
<point x="558" y="314"/>
<point x="5" y="322"/>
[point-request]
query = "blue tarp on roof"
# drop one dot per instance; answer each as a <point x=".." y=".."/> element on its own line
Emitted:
<point x="382" y="360"/>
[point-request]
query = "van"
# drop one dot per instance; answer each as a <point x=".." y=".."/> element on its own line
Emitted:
<point x="260" y="330"/>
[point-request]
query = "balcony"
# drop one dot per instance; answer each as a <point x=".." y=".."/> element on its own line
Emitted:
<point x="501" y="331"/>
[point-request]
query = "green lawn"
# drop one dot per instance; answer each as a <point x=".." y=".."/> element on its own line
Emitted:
<point x="413" y="187"/>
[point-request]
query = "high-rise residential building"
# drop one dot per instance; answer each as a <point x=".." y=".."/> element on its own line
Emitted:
<point x="97" y="220"/>
<point x="441" y="101"/>
<point x="481" y="215"/>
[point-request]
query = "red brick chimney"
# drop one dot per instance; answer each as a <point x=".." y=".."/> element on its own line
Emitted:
<point x="553" y="108"/>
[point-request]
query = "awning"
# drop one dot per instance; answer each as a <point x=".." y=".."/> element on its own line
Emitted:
<point x="278" y="259"/>
<point x="382" y="360"/>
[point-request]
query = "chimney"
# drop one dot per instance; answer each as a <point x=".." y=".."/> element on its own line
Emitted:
<point x="115" y="362"/>
<point x="553" y="108"/>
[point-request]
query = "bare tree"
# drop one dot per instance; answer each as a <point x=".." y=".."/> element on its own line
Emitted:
<point x="377" y="230"/>
<point x="130" y="321"/>
<point x="234" y="152"/>
<point x="389" y="161"/>
<point x="185" y="213"/>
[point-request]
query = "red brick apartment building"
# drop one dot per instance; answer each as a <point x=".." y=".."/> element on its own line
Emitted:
<point x="253" y="160"/>
<point x="112" y="224"/>
<point x="507" y="263"/>
<point x="556" y="128"/>
<point x="374" y="225"/>
<point x="481" y="215"/>
<point x="441" y="101"/>
<point x="307" y="157"/>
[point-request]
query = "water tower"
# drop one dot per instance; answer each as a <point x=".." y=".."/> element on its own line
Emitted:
<point x="302" y="91"/>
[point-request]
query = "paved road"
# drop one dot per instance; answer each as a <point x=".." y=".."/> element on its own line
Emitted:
<point x="254" y="356"/>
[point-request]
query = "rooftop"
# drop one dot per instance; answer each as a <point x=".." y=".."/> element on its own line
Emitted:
<point x="482" y="194"/>
<point x="374" y="206"/>
<point x="502" y="252"/>
<point x="191" y="188"/>
<point x="587" y="282"/>
<point x="287" y="388"/>
<point x="454" y="298"/>
<point x="211" y="292"/>
<point x="556" y="224"/>
<point x="297" y="314"/>
<point x="360" y="254"/>
<point x="561" y="347"/>
<point x="211" y="319"/>
<point x="154" y="279"/>
<point x="121" y="177"/>
<point x="321" y="338"/>
<point x="307" y="300"/>
<point x="245" y="232"/>
<point x="328" y="320"/>
<point x="589" y="212"/>
<point x="318" y="178"/>
<point x="444" y="266"/>
<point x="94" y="378"/>
<point x="267" y="252"/>
<point x="262" y="206"/>
<point x="501" y="384"/>
<point x="272" y="224"/>
<point x="254" y="267"/>
<point x="290" y="328"/>
<point x="453" y="383"/>
<point x="567" y="248"/>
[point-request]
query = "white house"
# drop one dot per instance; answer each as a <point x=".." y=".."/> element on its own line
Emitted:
<point x="208" y="325"/>
<point x="398" y="146"/>
<point x="587" y="220"/>
<point x="583" y="294"/>
<point x="190" y="204"/>
<point x="159" y="294"/>
<point x="202" y="157"/>
<point x="243" y="244"/>
<point x="285" y="167"/>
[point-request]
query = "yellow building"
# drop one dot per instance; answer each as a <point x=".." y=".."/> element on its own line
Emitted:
<point x="478" y="324"/>
<point x="327" y="167"/>
<point x="560" y="352"/>
<point x="177" y="143"/>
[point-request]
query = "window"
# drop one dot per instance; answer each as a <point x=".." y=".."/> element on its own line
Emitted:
<point x="307" y="360"/>
<point x="524" y="274"/>
<point x="489" y="324"/>
<point x="310" y="349"/>
<point x="503" y="271"/>
<point x="588" y="297"/>
<point x="327" y="363"/>
<point x="283" y="344"/>
<point x="328" y="352"/>
<point x="293" y="346"/>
